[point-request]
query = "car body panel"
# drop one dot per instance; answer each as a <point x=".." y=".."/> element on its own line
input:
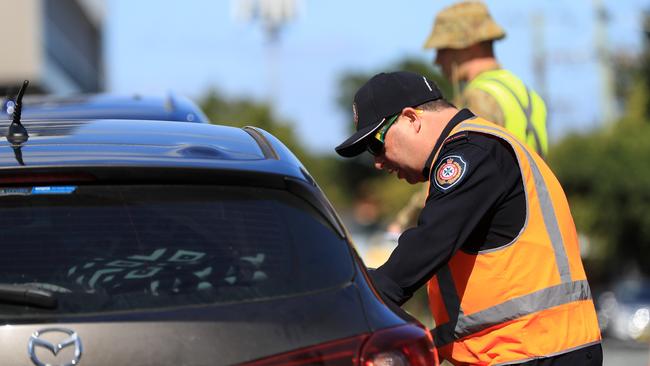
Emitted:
<point x="136" y="133"/>
<point x="138" y="146"/>
<point x="200" y="335"/>
<point x="138" y="143"/>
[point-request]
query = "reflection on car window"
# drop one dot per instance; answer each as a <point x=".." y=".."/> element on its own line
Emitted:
<point x="105" y="248"/>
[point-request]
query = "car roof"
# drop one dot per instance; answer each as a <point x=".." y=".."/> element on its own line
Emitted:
<point x="133" y="143"/>
<point x="106" y="106"/>
<point x="139" y="151"/>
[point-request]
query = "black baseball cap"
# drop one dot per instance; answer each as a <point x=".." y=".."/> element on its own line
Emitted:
<point x="381" y="97"/>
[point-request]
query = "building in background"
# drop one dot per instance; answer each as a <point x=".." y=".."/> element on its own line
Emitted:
<point x="56" y="44"/>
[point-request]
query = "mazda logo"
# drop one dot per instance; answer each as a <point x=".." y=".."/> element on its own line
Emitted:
<point x="70" y="338"/>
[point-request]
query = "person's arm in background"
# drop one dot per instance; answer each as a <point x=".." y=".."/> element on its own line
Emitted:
<point x="407" y="216"/>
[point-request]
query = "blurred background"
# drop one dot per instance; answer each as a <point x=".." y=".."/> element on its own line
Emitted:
<point x="291" y="67"/>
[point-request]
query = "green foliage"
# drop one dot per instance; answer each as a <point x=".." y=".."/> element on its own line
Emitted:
<point x="240" y="112"/>
<point x="606" y="176"/>
<point x="245" y="112"/>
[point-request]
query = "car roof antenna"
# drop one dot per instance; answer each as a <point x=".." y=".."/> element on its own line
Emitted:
<point x="17" y="133"/>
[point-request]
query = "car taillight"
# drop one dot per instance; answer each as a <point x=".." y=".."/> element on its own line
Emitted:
<point x="406" y="345"/>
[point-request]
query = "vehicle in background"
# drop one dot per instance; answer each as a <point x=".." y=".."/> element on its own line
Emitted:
<point x="624" y="311"/>
<point x="106" y="106"/>
<point x="161" y="243"/>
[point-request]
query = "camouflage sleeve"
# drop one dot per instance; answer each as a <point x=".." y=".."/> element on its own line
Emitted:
<point x="483" y="105"/>
<point x="407" y="216"/>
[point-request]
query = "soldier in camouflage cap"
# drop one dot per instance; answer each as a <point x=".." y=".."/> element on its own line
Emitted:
<point x="462" y="25"/>
<point x="463" y="36"/>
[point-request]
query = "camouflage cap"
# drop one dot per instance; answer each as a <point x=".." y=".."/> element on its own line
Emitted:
<point x="462" y="25"/>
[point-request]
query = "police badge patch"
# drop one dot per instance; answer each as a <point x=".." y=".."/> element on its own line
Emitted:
<point x="450" y="171"/>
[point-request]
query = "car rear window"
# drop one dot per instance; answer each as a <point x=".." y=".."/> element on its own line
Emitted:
<point x="115" y="248"/>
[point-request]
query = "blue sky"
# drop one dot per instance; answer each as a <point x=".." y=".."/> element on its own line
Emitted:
<point x="162" y="46"/>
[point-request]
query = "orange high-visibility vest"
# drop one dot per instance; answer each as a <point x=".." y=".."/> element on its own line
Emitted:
<point x="524" y="300"/>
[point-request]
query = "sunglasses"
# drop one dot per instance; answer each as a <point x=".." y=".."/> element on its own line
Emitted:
<point x="375" y="144"/>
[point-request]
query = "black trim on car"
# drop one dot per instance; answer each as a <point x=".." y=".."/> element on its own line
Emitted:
<point x="263" y="143"/>
<point x="312" y="196"/>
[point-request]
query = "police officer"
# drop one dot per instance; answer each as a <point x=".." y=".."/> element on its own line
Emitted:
<point x="495" y="242"/>
<point x="463" y="36"/>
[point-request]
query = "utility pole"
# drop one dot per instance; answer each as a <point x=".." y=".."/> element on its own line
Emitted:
<point x="274" y="15"/>
<point x="604" y="61"/>
<point x="539" y="63"/>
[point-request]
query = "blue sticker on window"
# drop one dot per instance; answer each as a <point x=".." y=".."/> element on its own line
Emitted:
<point x="54" y="190"/>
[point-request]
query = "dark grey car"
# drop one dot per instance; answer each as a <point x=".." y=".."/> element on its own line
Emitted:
<point x="162" y="243"/>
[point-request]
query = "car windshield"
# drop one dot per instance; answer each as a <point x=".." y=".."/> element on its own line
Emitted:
<point x="109" y="248"/>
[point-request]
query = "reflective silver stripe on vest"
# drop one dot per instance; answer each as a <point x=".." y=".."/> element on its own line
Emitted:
<point x="512" y="309"/>
<point x="550" y="220"/>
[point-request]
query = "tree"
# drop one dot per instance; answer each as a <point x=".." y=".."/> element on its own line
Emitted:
<point x="240" y="112"/>
<point x="606" y="176"/>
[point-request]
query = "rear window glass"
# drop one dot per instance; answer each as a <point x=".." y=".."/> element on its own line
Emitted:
<point x="115" y="248"/>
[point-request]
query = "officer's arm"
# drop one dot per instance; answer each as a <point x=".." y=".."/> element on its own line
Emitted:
<point x="455" y="213"/>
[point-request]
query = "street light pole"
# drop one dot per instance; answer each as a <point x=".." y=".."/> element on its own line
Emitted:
<point x="273" y="15"/>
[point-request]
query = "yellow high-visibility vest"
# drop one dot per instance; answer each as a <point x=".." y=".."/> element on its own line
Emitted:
<point x="524" y="110"/>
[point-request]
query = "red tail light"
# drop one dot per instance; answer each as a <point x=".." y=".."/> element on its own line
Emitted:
<point x="406" y="345"/>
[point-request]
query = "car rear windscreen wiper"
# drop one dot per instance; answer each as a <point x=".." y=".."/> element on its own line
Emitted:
<point x="27" y="295"/>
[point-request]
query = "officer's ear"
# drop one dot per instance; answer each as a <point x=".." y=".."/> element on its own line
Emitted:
<point x="414" y="117"/>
